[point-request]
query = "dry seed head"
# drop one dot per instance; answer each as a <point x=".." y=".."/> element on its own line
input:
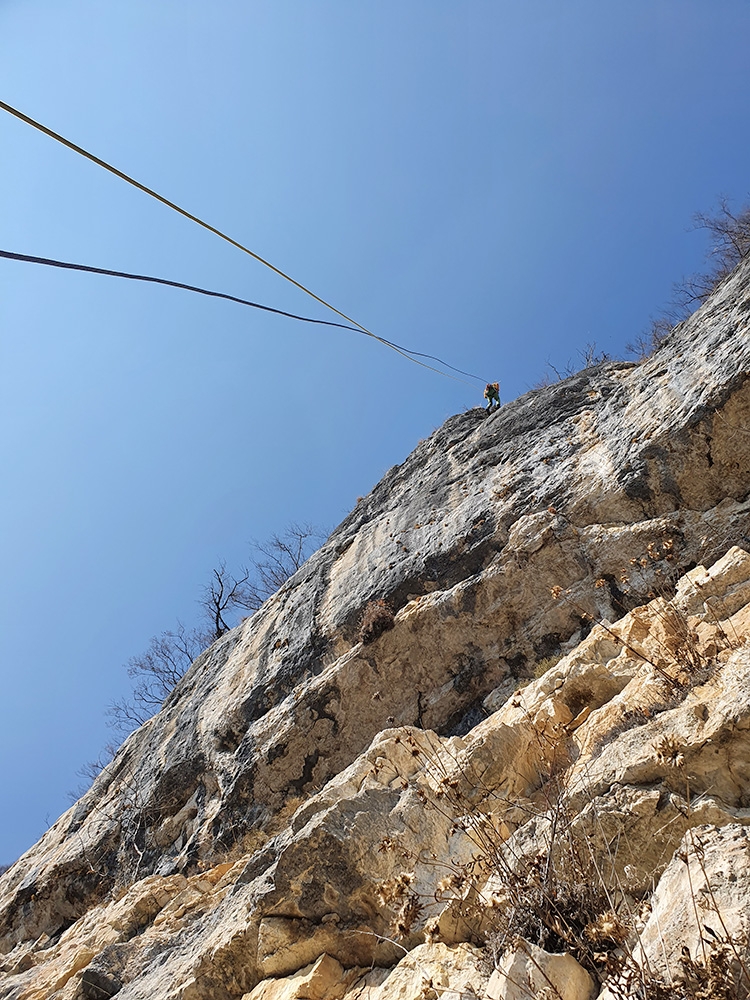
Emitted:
<point x="450" y="782"/>
<point x="432" y="930"/>
<point x="450" y="883"/>
<point x="668" y="751"/>
<point x="606" y="927"/>
<point x="407" y="916"/>
<point x="395" y="889"/>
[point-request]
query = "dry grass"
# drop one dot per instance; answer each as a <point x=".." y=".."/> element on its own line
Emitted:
<point x="564" y="897"/>
<point x="546" y="664"/>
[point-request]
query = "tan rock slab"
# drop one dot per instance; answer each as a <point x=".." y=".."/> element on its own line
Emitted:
<point x="706" y="885"/>
<point x="434" y="972"/>
<point x="325" y="979"/>
<point x="531" y="972"/>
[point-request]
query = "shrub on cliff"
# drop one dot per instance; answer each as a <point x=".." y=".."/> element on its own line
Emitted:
<point x="565" y="897"/>
<point x="376" y="619"/>
<point x="552" y="865"/>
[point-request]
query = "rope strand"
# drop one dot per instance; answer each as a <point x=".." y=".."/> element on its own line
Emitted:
<point x="50" y="262"/>
<point x="217" y="232"/>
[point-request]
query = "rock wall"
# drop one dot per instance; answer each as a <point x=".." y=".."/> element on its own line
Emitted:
<point x="235" y="836"/>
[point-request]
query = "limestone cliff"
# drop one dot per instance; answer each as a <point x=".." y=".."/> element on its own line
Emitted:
<point x="235" y="836"/>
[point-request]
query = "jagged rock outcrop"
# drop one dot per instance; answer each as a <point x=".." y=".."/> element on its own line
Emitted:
<point x="235" y="836"/>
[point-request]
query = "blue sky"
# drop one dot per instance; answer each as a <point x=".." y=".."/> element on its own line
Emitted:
<point x="497" y="183"/>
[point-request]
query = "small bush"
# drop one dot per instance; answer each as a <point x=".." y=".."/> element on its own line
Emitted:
<point x="563" y="894"/>
<point x="546" y="664"/>
<point x="567" y="897"/>
<point x="376" y="619"/>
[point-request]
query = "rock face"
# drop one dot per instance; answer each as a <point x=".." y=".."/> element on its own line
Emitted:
<point x="233" y="845"/>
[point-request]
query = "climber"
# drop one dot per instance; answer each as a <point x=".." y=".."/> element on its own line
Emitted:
<point x="492" y="395"/>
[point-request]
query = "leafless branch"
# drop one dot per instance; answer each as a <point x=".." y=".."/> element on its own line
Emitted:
<point x="730" y="243"/>
<point x="279" y="558"/>
<point x="157" y="670"/>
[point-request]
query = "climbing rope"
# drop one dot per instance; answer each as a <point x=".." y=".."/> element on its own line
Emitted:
<point x="410" y="355"/>
<point x="50" y="262"/>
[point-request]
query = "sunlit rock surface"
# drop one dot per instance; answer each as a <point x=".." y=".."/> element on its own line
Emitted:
<point x="233" y="845"/>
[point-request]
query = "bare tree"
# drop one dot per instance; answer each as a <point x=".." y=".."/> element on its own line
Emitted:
<point x="279" y="558"/>
<point x="589" y="356"/>
<point x="730" y="243"/>
<point x="646" y="343"/>
<point x="155" y="673"/>
<point x="271" y="566"/>
<point x="91" y="770"/>
<point x="224" y="594"/>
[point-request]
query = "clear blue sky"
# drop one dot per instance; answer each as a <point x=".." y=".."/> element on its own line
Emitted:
<point x="494" y="182"/>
